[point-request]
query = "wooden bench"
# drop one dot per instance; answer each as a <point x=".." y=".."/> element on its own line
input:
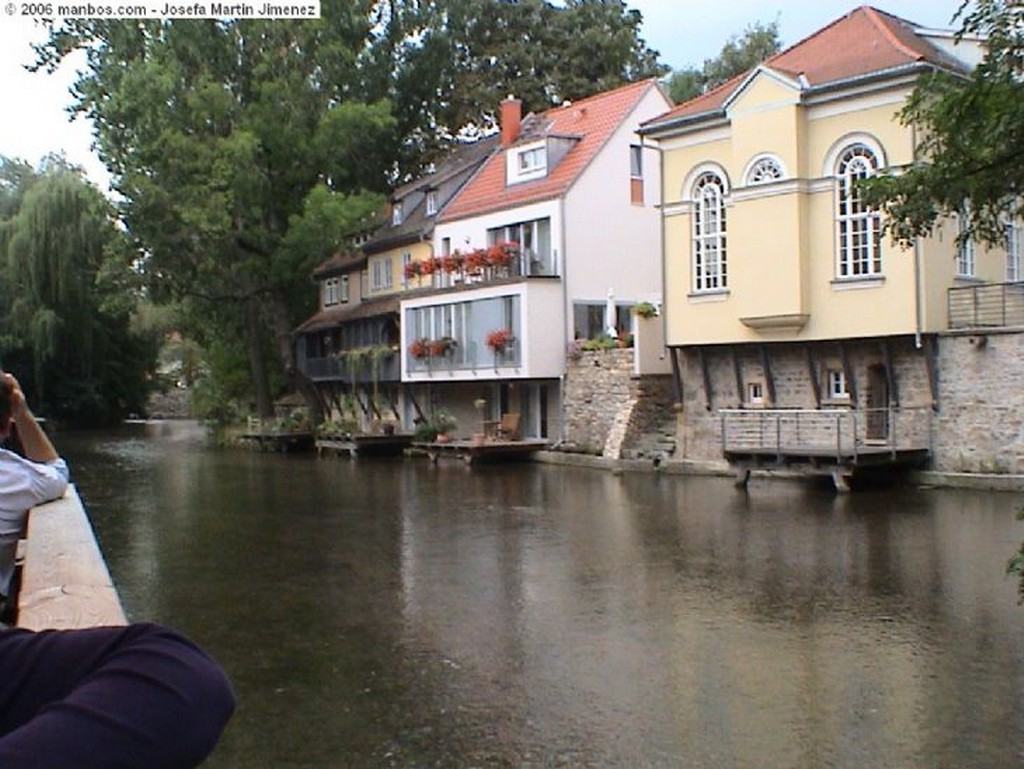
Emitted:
<point x="64" y="580"/>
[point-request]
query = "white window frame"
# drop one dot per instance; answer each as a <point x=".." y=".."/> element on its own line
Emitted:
<point x="343" y="289"/>
<point x="396" y="213"/>
<point x="764" y="169"/>
<point x="708" y="265"/>
<point x="858" y="227"/>
<point x="755" y="393"/>
<point x="1014" y="249"/>
<point x="331" y="292"/>
<point x="966" y="264"/>
<point x="526" y="162"/>
<point x="836" y="388"/>
<point x="380" y="273"/>
<point x="636" y="161"/>
<point x="431" y="204"/>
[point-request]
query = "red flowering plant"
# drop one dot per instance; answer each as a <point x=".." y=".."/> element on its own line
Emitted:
<point x="452" y="262"/>
<point x="429" y="266"/>
<point x="499" y="339"/>
<point x="502" y="254"/>
<point x="475" y="261"/>
<point x="438" y="347"/>
<point x="419" y="348"/>
<point x="413" y="270"/>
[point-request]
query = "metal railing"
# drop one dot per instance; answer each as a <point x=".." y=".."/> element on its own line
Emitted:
<point x="986" y="305"/>
<point x="825" y="432"/>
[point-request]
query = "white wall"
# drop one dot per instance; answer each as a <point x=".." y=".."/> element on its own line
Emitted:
<point x="610" y="242"/>
<point x="467" y="234"/>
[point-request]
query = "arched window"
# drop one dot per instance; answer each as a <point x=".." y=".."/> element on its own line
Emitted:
<point x="859" y="227"/>
<point x="709" y="273"/>
<point x="764" y="170"/>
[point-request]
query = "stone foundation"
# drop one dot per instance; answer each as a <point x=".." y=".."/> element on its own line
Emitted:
<point x="606" y="406"/>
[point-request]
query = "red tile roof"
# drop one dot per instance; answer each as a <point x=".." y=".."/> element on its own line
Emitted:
<point x="590" y="121"/>
<point x="863" y="42"/>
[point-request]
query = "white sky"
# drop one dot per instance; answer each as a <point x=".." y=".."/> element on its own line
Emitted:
<point x="684" y="32"/>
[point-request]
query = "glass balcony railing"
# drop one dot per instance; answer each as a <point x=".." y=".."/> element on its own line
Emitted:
<point x="440" y="357"/>
<point x="363" y="365"/>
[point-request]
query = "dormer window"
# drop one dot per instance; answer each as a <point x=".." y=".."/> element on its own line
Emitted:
<point x="396" y="213"/>
<point x="533" y="160"/>
<point x="526" y="162"/>
<point x="431" y="202"/>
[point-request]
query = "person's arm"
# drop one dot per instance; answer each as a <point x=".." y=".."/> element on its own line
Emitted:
<point x="34" y="442"/>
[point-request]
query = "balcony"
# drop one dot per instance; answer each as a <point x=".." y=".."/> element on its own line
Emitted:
<point x="357" y="366"/>
<point x="840" y="435"/>
<point x="436" y="356"/>
<point x="988" y="305"/>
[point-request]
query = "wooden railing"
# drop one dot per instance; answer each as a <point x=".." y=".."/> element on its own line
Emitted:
<point x="841" y="433"/>
<point x="64" y="580"/>
<point x="988" y="305"/>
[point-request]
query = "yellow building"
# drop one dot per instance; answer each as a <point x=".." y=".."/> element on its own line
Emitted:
<point x="780" y="290"/>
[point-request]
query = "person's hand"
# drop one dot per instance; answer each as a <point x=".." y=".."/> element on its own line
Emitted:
<point x="10" y="383"/>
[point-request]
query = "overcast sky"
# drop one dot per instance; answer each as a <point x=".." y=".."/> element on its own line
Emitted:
<point x="684" y="32"/>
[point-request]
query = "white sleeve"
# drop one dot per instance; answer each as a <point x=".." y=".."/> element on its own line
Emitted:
<point x="25" y="484"/>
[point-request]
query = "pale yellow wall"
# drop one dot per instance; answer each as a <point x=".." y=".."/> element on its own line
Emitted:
<point x="418" y="251"/>
<point x="781" y="248"/>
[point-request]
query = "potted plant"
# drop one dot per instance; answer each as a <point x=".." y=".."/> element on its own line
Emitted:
<point x="645" y="310"/>
<point x="444" y="423"/>
<point x="419" y="348"/>
<point x="442" y="346"/>
<point x="498" y="340"/>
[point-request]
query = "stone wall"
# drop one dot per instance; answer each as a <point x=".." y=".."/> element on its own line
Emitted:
<point x="606" y="406"/>
<point x="730" y="369"/>
<point x="980" y="425"/>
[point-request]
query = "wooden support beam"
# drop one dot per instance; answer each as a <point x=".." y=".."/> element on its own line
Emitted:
<point x="706" y="376"/>
<point x="738" y="373"/>
<point x="769" y="380"/>
<point x="890" y="374"/>
<point x="677" y="373"/>
<point x="851" y="383"/>
<point x="812" y="371"/>
<point x="411" y="395"/>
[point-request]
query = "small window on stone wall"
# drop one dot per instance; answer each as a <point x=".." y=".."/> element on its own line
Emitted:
<point x="755" y="393"/>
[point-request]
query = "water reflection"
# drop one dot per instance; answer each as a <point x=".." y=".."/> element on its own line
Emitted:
<point x="396" y="614"/>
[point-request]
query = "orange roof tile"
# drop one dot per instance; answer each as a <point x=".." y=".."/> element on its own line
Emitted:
<point x="864" y="41"/>
<point x="590" y="121"/>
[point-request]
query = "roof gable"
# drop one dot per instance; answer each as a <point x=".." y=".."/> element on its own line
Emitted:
<point x="763" y="84"/>
<point x="589" y="122"/>
<point x="864" y="42"/>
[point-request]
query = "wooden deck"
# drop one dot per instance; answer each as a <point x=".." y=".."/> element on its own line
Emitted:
<point x="835" y="442"/>
<point x="277" y="441"/>
<point x="64" y="580"/>
<point x="472" y="452"/>
<point x="364" y="445"/>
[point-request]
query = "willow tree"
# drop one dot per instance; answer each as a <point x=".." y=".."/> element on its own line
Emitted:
<point x="67" y="296"/>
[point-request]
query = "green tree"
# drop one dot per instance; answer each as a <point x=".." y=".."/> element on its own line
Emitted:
<point x="245" y="152"/>
<point x="970" y="130"/>
<point x="758" y="42"/>
<point x="455" y="60"/>
<point x="68" y="296"/>
<point x="221" y="138"/>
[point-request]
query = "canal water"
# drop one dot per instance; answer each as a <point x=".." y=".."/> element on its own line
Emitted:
<point x="394" y="614"/>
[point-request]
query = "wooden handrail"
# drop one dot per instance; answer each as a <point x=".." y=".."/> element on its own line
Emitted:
<point x="64" y="580"/>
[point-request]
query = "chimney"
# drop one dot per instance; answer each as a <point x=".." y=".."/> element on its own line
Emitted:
<point x="511" y="117"/>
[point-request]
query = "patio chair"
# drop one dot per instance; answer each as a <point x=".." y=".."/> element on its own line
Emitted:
<point x="508" y="428"/>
